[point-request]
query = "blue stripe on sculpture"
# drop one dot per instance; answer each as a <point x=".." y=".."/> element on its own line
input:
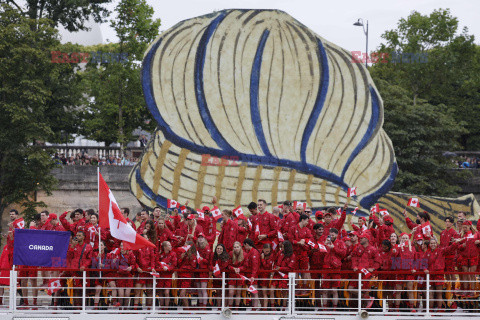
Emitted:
<point x="368" y="134"/>
<point x="254" y="86"/>
<point x="199" y="90"/>
<point x="369" y="200"/>
<point x="319" y="102"/>
<point x="161" y="201"/>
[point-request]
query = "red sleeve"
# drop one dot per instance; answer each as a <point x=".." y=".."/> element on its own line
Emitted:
<point x="273" y="227"/>
<point x="410" y="223"/>
<point x="376" y="260"/>
<point x="354" y="227"/>
<point x="375" y="219"/>
<point x="292" y="234"/>
<point x="341" y="221"/>
<point x="64" y="221"/>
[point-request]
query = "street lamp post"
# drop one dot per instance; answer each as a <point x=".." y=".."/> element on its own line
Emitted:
<point x="361" y="23"/>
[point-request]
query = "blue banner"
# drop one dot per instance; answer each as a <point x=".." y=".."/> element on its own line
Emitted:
<point x="40" y="248"/>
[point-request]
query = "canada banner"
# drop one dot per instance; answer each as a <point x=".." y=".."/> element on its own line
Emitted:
<point x="40" y="248"/>
<point x="111" y="217"/>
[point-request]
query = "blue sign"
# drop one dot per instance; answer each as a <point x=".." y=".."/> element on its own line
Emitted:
<point x="40" y="248"/>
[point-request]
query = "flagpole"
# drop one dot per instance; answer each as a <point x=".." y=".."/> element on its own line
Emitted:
<point x="99" y="228"/>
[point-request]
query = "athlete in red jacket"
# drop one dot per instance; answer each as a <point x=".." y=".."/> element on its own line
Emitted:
<point x="166" y="262"/>
<point x="385" y="228"/>
<point x="164" y="234"/>
<point x="468" y="256"/>
<point x="229" y="232"/>
<point x="187" y="261"/>
<point x="365" y="259"/>
<point x="286" y="262"/>
<point x="127" y="264"/>
<point x="78" y="221"/>
<point x="403" y="261"/>
<point x="336" y="251"/>
<point x="337" y="223"/>
<point x="79" y="257"/>
<point x="204" y="258"/>
<point x="250" y="267"/>
<point x="267" y="261"/>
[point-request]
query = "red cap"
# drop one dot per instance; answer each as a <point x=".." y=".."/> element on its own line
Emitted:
<point x="387" y="217"/>
<point x="418" y="236"/>
<point x="405" y="234"/>
<point x="201" y="235"/>
<point x="319" y="214"/>
<point x="190" y="217"/>
<point x="206" y="208"/>
<point x="467" y="223"/>
<point x="327" y="213"/>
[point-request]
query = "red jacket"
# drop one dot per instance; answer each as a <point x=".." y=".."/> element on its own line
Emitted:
<point x="79" y="256"/>
<point x="424" y="229"/>
<point x="187" y="263"/>
<point x="383" y="232"/>
<point x="111" y="243"/>
<point x="404" y="258"/>
<point x="287" y="222"/>
<point x="75" y="226"/>
<point x="206" y="255"/>
<point x="445" y="240"/>
<point x="385" y="258"/>
<point x="229" y="234"/>
<point x="436" y="258"/>
<point x="165" y="235"/>
<point x="124" y="260"/>
<point x="365" y="257"/>
<point x="295" y="235"/>
<point x="186" y="230"/>
<point x="467" y="248"/>
<point x="251" y="263"/>
<point x="334" y="256"/>
<point x="242" y="234"/>
<point x="267" y="225"/>
<point x="170" y="259"/>
<point x="91" y="235"/>
<point x="145" y="258"/>
<point x="287" y="264"/>
<point x="337" y="223"/>
<point x="209" y="226"/>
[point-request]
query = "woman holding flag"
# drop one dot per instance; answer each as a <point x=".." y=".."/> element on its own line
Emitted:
<point x="220" y="263"/>
<point x="187" y="260"/>
<point x="166" y="262"/>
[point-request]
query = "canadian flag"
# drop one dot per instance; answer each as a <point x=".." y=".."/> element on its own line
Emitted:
<point x="183" y="209"/>
<point x="216" y="270"/>
<point x="216" y="214"/>
<point x="280" y="236"/>
<point x="375" y="208"/>
<point x="184" y="248"/>
<point x="354" y="211"/>
<point x="172" y="204"/>
<point x="163" y="265"/>
<point x="383" y="212"/>
<point x="239" y="212"/>
<point x="322" y="248"/>
<point x="53" y="286"/>
<point x="252" y="289"/>
<point x="155" y="274"/>
<point x="19" y="223"/>
<point x="352" y="192"/>
<point x="111" y="217"/>
<point x="243" y="278"/>
<point x="274" y="244"/>
<point x="339" y="211"/>
<point x="250" y="225"/>
<point x="413" y="202"/>
<point x="199" y="256"/>
<point x="299" y="204"/>
<point x="367" y="273"/>
<point x="283" y="275"/>
<point x="201" y="215"/>
<point x="257" y="231"/>
<point x="469" y="235"/>
<point x="427" y="230"/>
<point x="311" y="244"/>
<point x="217" y="233"/>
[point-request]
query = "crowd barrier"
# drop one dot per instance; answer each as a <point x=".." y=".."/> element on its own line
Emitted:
<point x="295" y="293"/>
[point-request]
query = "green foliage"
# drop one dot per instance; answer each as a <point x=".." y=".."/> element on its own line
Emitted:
<point x="70" y="14"/>
<point x="37" y="103"/>
<point x="117" y="107"/>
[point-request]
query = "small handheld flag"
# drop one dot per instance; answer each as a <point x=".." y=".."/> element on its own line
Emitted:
<point x="216" y="270"/>
<point x="252" y="289"/>
<point x="172" y="204"/>
<point x="352" y="192"/>
<point x="216" y="214"/>
<point x="413" y="202"/>
<point x="53" y="286"/>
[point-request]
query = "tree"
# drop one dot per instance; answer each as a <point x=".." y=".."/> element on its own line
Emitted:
<point x="117" y="106"/>
<point x="420" y="133"/>
<point x="449" y="77"/>
<point x="70" y="14"/>
<point x="37" y="100"/>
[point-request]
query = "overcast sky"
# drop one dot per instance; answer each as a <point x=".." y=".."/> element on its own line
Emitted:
<point x="333" y="20"/>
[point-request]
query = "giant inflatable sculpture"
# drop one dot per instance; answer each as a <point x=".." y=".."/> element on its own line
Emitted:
<point x="252" y="104"/>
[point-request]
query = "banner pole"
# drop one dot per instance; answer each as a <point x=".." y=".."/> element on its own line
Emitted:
<point x="99" y="228"/>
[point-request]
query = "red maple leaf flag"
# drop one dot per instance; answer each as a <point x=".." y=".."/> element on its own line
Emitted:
<point x="257" y="231"/>
<point x="184" y="248"/>
<point x="280" y="236"/>
<point x="250" y="225"/>
<point x="216" y="213"/>
<point x="111" y="217"/>
<point x="322" y="248"/>
<point x="283" y="275"/>
<point x="383" y="212"/>
<point x="163" y="265"/>
<point x="252" y="289"/>
<point x="53" y="286"/>
<point x="354" y="211"/>
<point x="201" y="215"/>
<point x="172" y="204"/>
<point x="239" y="212"/>
<point x="216" y="270"/>
<point x="413" y="202"/>
<point x="352" y="192"/>
<point x="19" y="223"/>
<point x="339" y="211"/>
<point x="243" y="278"/>
<point x="311" y="244"/>
<point x="183" y="209"/>
<point x="217" y="233"/>
<point x="299" y="204"/>
<point x="367" y="273"/>
<point x="274" y="244"/>
<point x="155" y="274"/>
<point x="375" y="208"/>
